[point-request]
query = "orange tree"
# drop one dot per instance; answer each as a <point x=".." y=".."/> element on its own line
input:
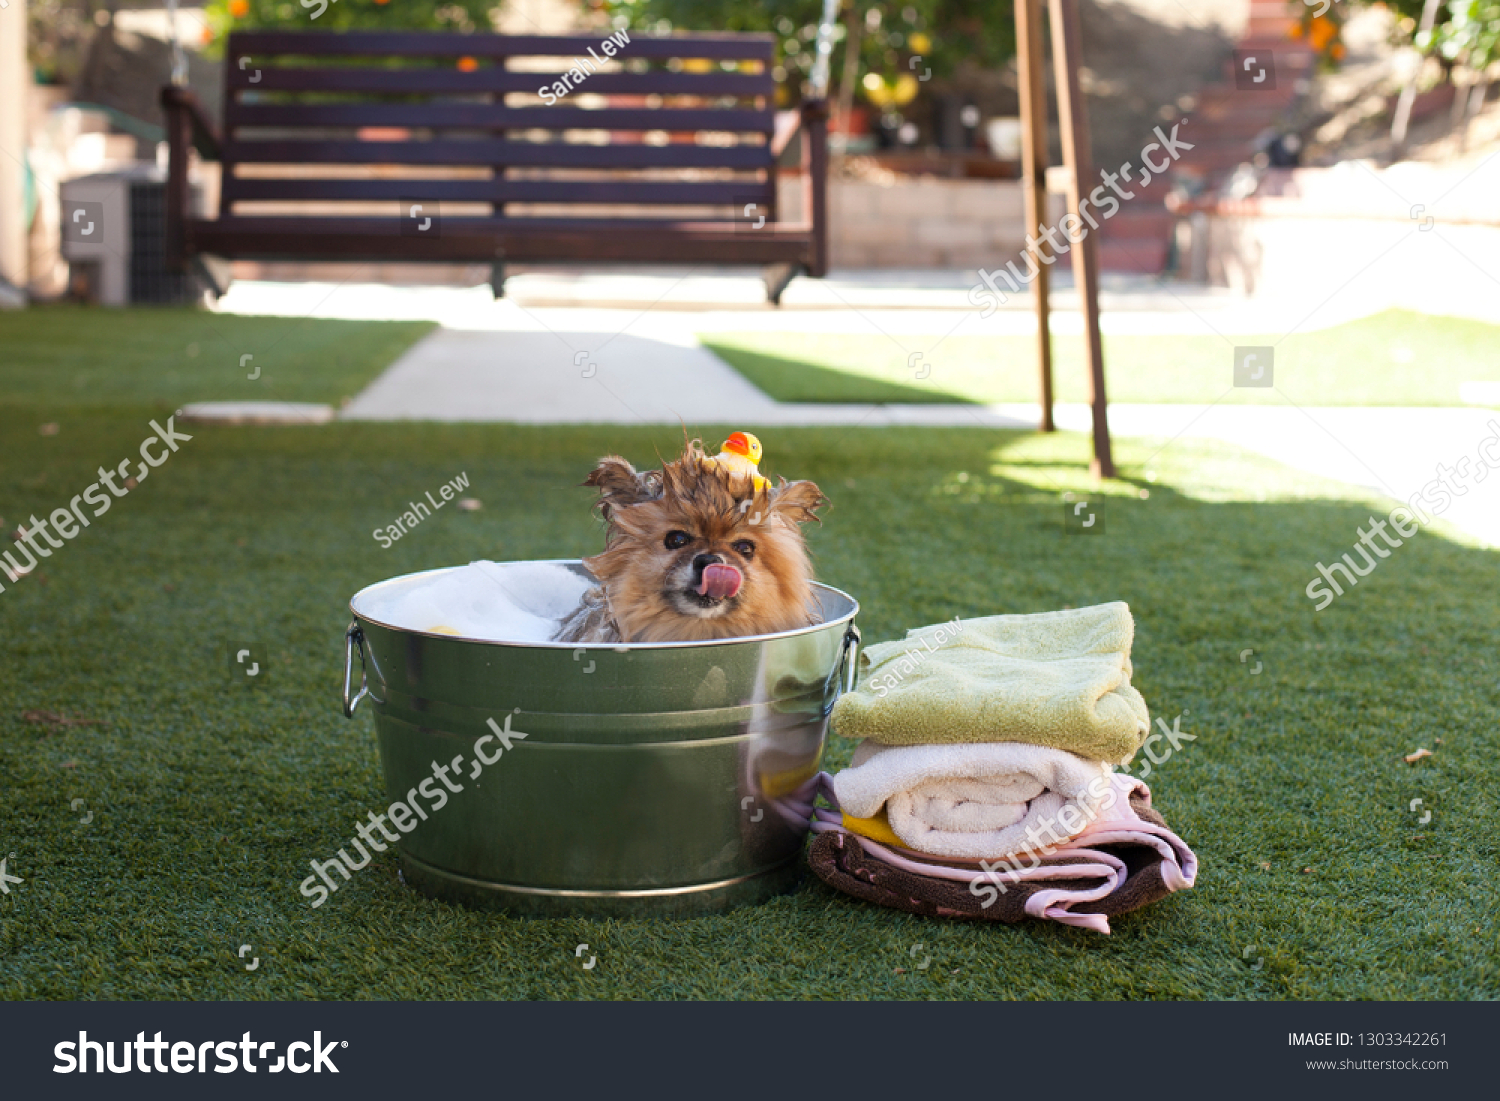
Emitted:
<point x="337" y="15"/>
<point x="1464" y="32"/>
<point x="896" y="38"/>
<point x="1470" y="36"/>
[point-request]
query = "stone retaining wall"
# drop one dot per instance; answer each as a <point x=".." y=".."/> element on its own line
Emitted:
<point x="921" y="222"/>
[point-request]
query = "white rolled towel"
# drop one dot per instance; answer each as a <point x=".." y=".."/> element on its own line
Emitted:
<point x="974" y="800"/>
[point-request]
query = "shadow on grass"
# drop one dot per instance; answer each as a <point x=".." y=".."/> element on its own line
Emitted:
<point x="802" y="381"/>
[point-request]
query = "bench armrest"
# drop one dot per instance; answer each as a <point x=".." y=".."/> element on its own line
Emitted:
<point x="814" y="127"/>
<point x="790" y="123"/>
<point x="787" y="125"/>
<point x="188" y="126"/>
<point x="181" y="103"/>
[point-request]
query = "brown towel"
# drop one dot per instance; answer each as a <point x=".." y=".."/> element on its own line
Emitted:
<point x="839" y="860"/>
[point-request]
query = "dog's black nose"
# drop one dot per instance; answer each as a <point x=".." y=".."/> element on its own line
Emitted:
<point x="703" y="560"/>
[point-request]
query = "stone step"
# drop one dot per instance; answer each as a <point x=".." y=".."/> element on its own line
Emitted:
<point x="1270" y="19"/>
<point x="1136" y="224"/>
<point x="256" y="412"/>
<point x="1141" y="256"/>
<point x="1232" y="118"/>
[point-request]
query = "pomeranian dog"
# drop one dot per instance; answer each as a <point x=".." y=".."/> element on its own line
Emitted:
<point x="703" y="548"/>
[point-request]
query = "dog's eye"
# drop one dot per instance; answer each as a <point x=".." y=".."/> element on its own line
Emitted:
<point x="744" y="548"/>
<point x="676" y="540"/>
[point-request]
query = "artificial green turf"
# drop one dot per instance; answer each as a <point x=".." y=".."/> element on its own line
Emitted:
<point x="73" y="356"/>
<point x="209" y="799"/>
<point x="1392" y="358"/>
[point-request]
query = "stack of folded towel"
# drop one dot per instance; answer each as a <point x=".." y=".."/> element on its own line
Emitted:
<point x="984" y="782"/>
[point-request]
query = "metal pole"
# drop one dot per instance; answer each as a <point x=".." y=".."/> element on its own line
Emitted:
<point x="1032" y="84"/>
<point x="846" y="81"/>
<point x="1073" y="119"/>
<point x="1409" y="91"/>
<point x="179" y="59"/>
<point x="817" y="80"/>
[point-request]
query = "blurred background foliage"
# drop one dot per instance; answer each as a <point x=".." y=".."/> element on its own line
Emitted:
<point x="943" y="34"/>
<point x="1464" y="32"/>
<point x="1469" y="36"/>
<point x="464" y="16"/>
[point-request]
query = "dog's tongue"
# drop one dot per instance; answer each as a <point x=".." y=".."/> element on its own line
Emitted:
<point x="720" y="581"/>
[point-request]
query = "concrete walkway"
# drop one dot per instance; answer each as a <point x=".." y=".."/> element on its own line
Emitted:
<point x="560" y="378"/>
<point x="573" y="378"/>
<point x="1130" y="303"/>
<point x="508" y="362"/>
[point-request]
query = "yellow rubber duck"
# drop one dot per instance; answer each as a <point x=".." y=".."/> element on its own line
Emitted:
<point x="741" y="455"/>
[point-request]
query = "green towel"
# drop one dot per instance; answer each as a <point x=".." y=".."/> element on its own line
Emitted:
<point x="1059" y="679"/>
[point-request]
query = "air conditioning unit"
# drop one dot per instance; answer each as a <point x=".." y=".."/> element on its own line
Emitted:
<point x="114" y="237"/>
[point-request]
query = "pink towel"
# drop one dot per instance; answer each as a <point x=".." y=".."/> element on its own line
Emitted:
<point x="1098" y="872"/>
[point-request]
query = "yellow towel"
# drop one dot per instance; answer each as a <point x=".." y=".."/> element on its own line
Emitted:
<point x="876" y="829"/>
<point x="879" y="829"/>
<point x="1059" y="679"/>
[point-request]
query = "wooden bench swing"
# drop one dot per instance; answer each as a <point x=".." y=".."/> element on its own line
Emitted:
<point x="372" y="146"/>
<point x="407" y="122"/>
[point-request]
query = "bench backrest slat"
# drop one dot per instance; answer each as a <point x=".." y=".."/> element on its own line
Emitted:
<point x="668" y="192"/>
<point x="450" y="81"/>
<point x="712" y="47"/>
<point x="371" y="116"/>
<point x="482" y="116"/>
<point x="495" y="154"/>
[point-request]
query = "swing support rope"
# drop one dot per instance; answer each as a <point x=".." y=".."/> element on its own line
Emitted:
<point x="179" y="59"/>
<point x="817" y="80"/>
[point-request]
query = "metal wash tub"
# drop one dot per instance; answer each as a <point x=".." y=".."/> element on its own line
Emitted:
<point x="651" y="777"/>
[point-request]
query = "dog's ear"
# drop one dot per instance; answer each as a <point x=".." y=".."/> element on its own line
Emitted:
<point x="797" y="502"/>
<point x="620" y="486"/>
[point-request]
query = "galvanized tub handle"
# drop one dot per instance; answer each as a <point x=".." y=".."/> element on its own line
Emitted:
<point x="849" y="663"/>
<point x="352" y="638"/>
